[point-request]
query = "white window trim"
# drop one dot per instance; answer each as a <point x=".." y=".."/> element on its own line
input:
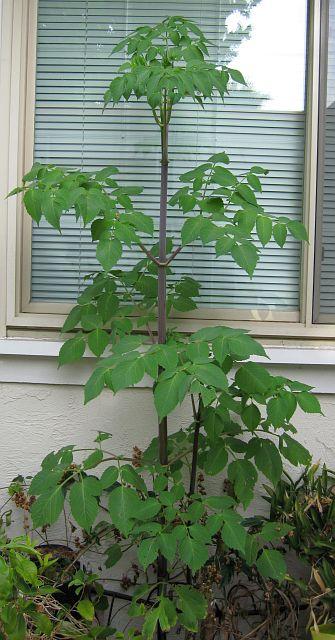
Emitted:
<point x="34" y="362"/>
<point x="17" y="81"/>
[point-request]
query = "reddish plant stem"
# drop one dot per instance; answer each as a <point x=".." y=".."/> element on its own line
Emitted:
<point x="162" y="428"/>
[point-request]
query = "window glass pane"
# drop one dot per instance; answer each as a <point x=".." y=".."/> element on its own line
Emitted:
<point x="264" y="124"/>
<point x="325" y="259"/>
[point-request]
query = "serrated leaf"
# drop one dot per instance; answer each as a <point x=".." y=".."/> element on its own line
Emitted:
<point x="73" y="319"/>
<point x="93" y="460"/>
<point x="193" y="553"/>
<point x="168" y="395"/>
<point x="216" y="459"/>
<point x="71" y="350"/>
<point x="280" y="233"/>
<point x="246" y="256"/>
<point x="48" y="507"/>
<point x="211" y="374"/>
<point x="83" y="502"/>
<point x="109" y="477"/>
<point x="293" y="451"/>
<point x="114" y="554"/>
<point x="167" y="545"/>
<point x="127" y="373"/>
<point x="147" y="551"/>
<point x="86" y="609"/>
<point x="234" y="536"/>
<point x="32" y="201"/>
<point x="271" y="564"/>
<point x="264" y="229"/>
<point x="193" y="605"/>
<point x="251" y="416"/>
<point x="109" y="253"/>
<point x="97" y="340"/>
<point x="308" y="402"/>
<point x="252" y="378"/>
<point x="268" y="460"/>
<point x="298" y="230"/>
<point x="123" y="503"/>
<point x="243" y="476"/>
<point x="94" y="385"/>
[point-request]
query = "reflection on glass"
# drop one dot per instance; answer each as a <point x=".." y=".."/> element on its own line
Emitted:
<point x="273" y="56"/>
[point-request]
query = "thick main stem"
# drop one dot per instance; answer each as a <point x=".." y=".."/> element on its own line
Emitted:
<point x="162" y="274"/>
<point x="162" y="428"/>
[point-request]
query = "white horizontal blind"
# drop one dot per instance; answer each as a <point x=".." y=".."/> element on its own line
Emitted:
<point x="74" y="67"/>
<point x="326" y="284"/>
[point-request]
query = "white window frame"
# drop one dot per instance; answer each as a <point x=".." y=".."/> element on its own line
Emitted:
<point x="17" y="83"/>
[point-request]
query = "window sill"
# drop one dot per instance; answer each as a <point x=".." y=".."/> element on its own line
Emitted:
<point x="34" y="361"/>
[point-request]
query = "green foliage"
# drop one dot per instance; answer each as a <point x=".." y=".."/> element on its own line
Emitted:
<point x="25" y="584"/>
<point x="241" y="413"/>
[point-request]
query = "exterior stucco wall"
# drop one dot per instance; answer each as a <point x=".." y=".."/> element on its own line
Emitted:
<point x="37" y="418"/>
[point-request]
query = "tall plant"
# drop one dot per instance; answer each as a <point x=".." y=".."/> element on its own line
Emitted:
<point x="241" y="414"/>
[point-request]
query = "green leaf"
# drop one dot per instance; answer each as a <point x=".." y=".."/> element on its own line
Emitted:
<point x="83" y="502"/>
<point x="224" y="245"/>
<point x="216" y="459"/>
<point x="24" y="567"/>
<point x="193" y="553"/>
<point x="32" y="201"/>
<point x="94" y="385"/>
<point x="109" y="253"/>
<point x="280" y="233"/>
<point x="308" y="402"/>
<point x="246" y="256"/>
<point x="268" y="460"/>
<point x="169" y="393"/>
<point x="277" y="410"/>
<point x="147" y="509"/>
<point x="237" y="76"/>
<point x="271" y="564"/>
<point x="234" y="535"/>
<point x="223" y="176"/>
<point x="44" y="480"/>
<point x="298" y="230"/>
<point x="123" y="504"/>
<point x="293" y="451"/>
<point x="97" y="340"/>
<point x="72" y="350"/>
<point x="109" y="477"/>
<point x="86" y="609"/>
<point x="191" y="229"/>
<point x="127" y="373"/>
<point x="264" y="229"/>
<point x="114" y="554"/>
<point x="253" y="378"/>
<point x="275" y="531"/>
<point x="254" y="182"/>
<point x="167" y="614"/>
<point x="142" y="222"/>
<point x="243" y="476"/>
<point x="167" y="545"/>
<point x="211" y="375"/>
<point x="73" y="319"/>
<point x="148" y="551"/>
<point x="193" y="606"/>
<point x="251" y="416"/>
<point x="93" y="460"/>
<point x="48" y="507"/>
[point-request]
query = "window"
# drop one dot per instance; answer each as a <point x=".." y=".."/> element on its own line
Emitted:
<point x="324" y="295"/>
<point x="261" y="125"/>
<point x="57" y="65"/>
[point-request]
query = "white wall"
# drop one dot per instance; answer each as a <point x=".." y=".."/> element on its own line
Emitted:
<point x="37" y="418"/>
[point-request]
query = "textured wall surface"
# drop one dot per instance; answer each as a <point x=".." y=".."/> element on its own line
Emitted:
<point x="37" y="418"/>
